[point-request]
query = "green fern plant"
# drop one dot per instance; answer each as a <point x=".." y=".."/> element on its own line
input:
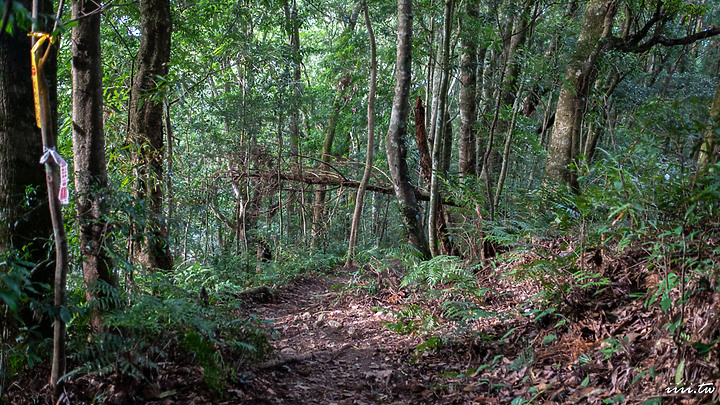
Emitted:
<point x="110" y="353"/>
<point x="172" y="316"/>
<point x="441" y="269"/>
<point x="208" y="358"/>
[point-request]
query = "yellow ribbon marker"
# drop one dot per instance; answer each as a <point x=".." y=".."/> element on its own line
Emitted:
<point x="34" y="70"/>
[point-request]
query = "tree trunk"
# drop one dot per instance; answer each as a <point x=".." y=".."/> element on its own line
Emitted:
<point x="319" y="206"/>
<point x="421" y="138"/>
<point x="344" y="81"/>
<point x="484" y="101"/>
<point x="439" y="139"/>
<point x="709" y="153"/>
<point x="506" y="150"/>
<point x="395" y="141"/>
<point x="468" y="108"/>
<point x="45" y="56"/>
<point x="293" y="32"/>
<point x="370" y="143"/>
<point x="447" y="247"/>
<point x="150" y="238"/>
<point x="518" y="35"/>
<point x="23" y="197"/>
<point x="564" y="144"/>
<point x="89" y="150"/>
<point x="605" y="89"/>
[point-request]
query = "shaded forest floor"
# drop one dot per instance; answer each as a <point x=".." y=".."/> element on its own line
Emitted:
<point x="338" y="345"/>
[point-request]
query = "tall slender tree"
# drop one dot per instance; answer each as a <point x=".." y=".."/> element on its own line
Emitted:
<point x="43" y="54"/>
<point x="150" y="239"/>
<point x="344" y="81"/>
<point x="439" y="143"/>
<point x="395" y="147"/>
<point x="91" y="180"/>
<point x="467" y="94"/>
<point x="293" y="31"/>
<point x="360" y="198"/>
<point x="709" y="152"/>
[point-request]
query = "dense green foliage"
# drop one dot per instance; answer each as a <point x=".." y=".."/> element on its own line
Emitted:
<point x="238" y="203"/>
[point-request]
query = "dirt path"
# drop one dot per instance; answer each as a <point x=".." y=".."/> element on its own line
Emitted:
<point x="332" y="347"/>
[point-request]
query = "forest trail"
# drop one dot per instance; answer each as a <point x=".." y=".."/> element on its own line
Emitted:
<point x="338" y="344"/>
<point x="331" y="347"/>
<point x="335" y="345"/>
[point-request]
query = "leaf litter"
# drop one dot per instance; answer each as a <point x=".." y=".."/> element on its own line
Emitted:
<point x="337" y="346"/>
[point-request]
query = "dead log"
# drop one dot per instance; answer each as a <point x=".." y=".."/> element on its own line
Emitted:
<point x="309" y="176"/>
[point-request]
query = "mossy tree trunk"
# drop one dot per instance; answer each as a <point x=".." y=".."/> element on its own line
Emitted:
<point x="564" y="144"/>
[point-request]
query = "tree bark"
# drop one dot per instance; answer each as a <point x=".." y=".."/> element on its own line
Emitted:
<point x="468" y="83"/>
<point x="89" y="150"/>
<point x="293" y="32"/>
<point x="421" y="138"/>
<point x="357" y="213"/>
<point x="150" y="238"/>
<point x="395" y="140"/>
<point x="45" y="56"/>
<point x="709" y="152"/>
<point x="439" y="139"/>
<point x="564" y="144"/>
<point x="24" y="210"/>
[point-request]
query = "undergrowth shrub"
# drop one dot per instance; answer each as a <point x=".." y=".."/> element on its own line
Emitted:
<point x="291" y="264"/>
<point x="164" y="315"/>
<point x="25" y="308"/>
<point x="434" y="293"/>
<point x="654" y="207"/>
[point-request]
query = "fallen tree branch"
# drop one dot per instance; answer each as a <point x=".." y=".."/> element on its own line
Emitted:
<point x="328" y="179"/>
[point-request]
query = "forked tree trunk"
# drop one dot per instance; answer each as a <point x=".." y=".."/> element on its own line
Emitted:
<point x="150" y="236"/>
<point x="89" y="150"/>
<point x="395" y="141"/>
